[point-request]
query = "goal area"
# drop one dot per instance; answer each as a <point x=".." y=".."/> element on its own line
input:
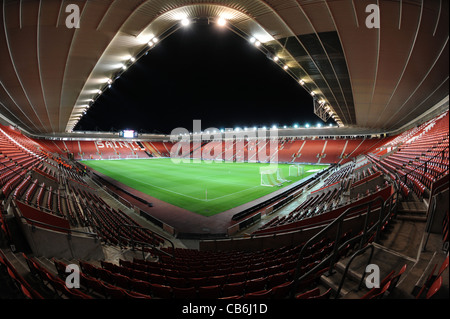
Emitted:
<point x="272" y="177"/>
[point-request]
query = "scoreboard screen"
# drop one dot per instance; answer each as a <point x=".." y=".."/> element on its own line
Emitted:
<point x="128" y="133"/>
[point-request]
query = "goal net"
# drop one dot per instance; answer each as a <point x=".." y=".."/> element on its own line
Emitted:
<point x="111" y="157"/>
<point x="295" y="170"/>
<point x="272" y="177"/>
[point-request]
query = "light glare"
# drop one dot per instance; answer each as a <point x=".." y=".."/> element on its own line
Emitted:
<point x="221" y="22"/>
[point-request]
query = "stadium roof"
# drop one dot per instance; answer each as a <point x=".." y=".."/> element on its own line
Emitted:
<point x="381" y="78"/>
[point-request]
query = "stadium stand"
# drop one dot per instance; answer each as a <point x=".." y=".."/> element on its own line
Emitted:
<point x="46" y="190"/>
<point x="381" y="203"/>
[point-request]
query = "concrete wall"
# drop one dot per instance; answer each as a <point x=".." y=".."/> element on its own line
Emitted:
<point x="48" y="243"/>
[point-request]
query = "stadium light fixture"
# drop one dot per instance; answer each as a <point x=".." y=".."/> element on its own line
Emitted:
<point x="274" y="127"/>
<point x="301" y="82"/>
<point x="132" y="59"/>
<point x="257" y="43"/>
<point x="221" y="22"/>
<point x="295" y="125"/>
<point x="185" y="22"/>
<point x="276" y="58"/>
<point x="307" y="125"/>
<point x="252" y="40"/>
<point x="99" y="92"/>
<point x="313" y="93"/>
<point x="285" y="67"/>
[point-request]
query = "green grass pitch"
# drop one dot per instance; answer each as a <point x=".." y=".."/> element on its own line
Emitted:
<point x="206" y="188"/>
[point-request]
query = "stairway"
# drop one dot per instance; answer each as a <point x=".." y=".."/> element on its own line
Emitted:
<point x="403" y="243"/>
<point x="414" y="209"/>
<point x="383" y="259"/>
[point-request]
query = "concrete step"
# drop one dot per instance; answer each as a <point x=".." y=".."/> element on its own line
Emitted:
<point x="413" y="211"/>
<point x="349" y="289"/>
<point x="415" y="207"/>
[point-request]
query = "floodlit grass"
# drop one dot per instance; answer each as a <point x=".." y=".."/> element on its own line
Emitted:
<point x="206" y="188"/>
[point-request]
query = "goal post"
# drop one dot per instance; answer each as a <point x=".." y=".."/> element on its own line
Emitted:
<point x="296" y="170"/>
<point x="271" y="177"/>
<point x="280" y="176"/>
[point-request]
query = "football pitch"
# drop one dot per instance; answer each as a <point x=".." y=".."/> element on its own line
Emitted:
<point x="206" y="187"/>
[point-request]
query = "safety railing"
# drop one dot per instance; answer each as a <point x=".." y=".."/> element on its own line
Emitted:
<point x="386" y="209"/>
<point x="344" y="275"/>
<point x="433" y="207"/>
<point x="134" y="243"/>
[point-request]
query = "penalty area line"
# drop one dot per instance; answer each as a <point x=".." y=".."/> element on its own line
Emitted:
<point x="192" y="197"/>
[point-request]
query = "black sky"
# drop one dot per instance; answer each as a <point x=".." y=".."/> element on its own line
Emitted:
<point x="205" y="73"/>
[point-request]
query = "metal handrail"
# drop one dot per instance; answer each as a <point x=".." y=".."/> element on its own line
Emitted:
<point x="404" y="177"/>
<point x="359" y="252"/>
<point x="133" y="241"/>
<point x="63" y="229"/>
<point x="363" y="249"/>
<point x="440" y="154"/>
<point x="438" y="190"/>
<point x="338" y="221"/>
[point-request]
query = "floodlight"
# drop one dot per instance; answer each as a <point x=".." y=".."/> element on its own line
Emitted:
<point x="221" y="22"/>
<point x="185" y="22"/>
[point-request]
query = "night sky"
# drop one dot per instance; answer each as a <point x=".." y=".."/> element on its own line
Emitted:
<point x="204" y="73"/>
